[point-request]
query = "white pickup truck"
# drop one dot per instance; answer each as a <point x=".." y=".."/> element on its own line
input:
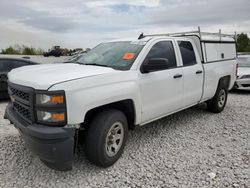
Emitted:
<point x="113" y="88"/>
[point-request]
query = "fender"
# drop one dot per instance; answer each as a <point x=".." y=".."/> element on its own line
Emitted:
<point x="89" y="93"/>
<point x="214" y="72"/>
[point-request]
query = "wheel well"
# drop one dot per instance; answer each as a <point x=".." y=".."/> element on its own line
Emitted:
<point x="225" y="81"/>
<point x="126" y="106"/>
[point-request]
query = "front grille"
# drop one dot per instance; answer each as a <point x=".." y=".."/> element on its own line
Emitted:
<point x="22" y="101"/>
<point x="21" y="110"/>
<point x="20" y="94"/>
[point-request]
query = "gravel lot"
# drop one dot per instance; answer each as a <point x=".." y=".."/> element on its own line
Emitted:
<point x="193" y="148"/>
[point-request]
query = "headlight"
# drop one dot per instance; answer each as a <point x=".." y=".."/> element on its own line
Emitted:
<point x="49" y="99"/>
<point x="50" y="108"/>
<point x="51" y="117"/>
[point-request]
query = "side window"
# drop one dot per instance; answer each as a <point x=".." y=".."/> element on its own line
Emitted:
<point x="5" y="65"/>
<point x="2" y="66"/>
<point x="16" y="64"/>
<point x="8" y="65"/>
<point x="164" y="49"/>
<point x="187" y="53"/>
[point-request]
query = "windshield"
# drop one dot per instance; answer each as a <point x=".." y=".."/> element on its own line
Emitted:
<point x="243" y="61"/>
<point x="118" y="55"/>
<point x="72" y="58"/>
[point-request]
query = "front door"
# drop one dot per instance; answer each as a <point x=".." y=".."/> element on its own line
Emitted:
<point x="161" y="91"/>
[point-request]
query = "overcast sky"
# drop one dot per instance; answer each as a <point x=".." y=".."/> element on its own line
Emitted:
<point x="85" y="23"/>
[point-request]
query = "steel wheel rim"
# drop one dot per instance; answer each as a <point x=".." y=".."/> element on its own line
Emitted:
<point x="222" y="98"/>
<point x="114" y="139"/>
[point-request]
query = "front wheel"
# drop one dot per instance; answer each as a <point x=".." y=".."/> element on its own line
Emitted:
<point x="218" y="102"/>
<point x="106" y="137"/>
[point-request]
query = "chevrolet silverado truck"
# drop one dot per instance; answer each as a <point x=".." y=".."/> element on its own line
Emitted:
<point x="115" y="87"/>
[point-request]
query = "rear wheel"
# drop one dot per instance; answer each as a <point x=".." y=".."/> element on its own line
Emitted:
<point x="218" y="102"/>
<point x="106" y="137"/>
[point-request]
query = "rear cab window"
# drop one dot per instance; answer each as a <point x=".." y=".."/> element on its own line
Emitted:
<point x="187" y="53"/>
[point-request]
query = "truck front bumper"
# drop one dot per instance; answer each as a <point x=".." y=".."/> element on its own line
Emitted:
<point x="53" y="145"/>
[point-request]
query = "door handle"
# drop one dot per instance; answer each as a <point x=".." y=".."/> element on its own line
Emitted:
<point x="198" y="72"/>
<point x="177" y="76"/>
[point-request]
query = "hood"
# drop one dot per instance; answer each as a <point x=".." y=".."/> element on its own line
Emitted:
<point x="44" y="76"/>
<point x="243" y="71"/>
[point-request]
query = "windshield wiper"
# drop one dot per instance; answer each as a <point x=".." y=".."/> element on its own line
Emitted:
<point x="95" y="64"/>
<point x="76" y="62"/>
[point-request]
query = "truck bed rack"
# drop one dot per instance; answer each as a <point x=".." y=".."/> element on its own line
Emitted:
<point x="198" y="33"/>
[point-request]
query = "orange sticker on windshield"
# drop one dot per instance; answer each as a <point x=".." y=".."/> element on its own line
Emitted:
<point x="128" y="56"/>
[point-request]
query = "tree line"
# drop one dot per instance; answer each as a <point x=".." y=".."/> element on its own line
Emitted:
<point x="22" y="50"/>
<point x="243" y="45"/>
<point x="26" y="50"/>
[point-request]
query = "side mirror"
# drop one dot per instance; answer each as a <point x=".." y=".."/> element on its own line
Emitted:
<point x="154" y="64"/>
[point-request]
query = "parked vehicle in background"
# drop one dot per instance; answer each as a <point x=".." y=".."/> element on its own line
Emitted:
<point x="6" y="65"/>
<point x="113" y="88"/>
<point x="75" y="57"/>
<point x="55" y="51"/>
<point x="243" y="73"/>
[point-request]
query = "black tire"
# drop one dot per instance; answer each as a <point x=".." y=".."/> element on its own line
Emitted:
<point x="216" y="105"/>
<point x="96" y="137"/>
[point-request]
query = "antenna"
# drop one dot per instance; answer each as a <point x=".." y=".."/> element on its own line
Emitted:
<point x="199" y="31"/>
<point x="220" y="34"/>
<point x="235" y="36"/>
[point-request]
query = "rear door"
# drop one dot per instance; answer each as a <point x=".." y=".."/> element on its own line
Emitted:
<point x="192" y="73"/>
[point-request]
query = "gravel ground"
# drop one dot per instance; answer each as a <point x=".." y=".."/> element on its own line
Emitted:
<point x="193" y="148"/>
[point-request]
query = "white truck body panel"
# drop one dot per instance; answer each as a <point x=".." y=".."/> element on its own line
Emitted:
<point x="214" y="51"/>
<point x="154" y="95"/>
<point x="86" y="94"/>
<point x="214" y="71"/>
<point x="44" y="76"/>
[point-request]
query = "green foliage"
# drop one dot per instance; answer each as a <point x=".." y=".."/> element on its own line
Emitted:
<point x="22" y="50"/>
<point x="26" y="50"/>
<point x="243" y="43"/>
<point x="39" y="51"/>
<point x="29" y="51"/>
<point x="10" y="50"/>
